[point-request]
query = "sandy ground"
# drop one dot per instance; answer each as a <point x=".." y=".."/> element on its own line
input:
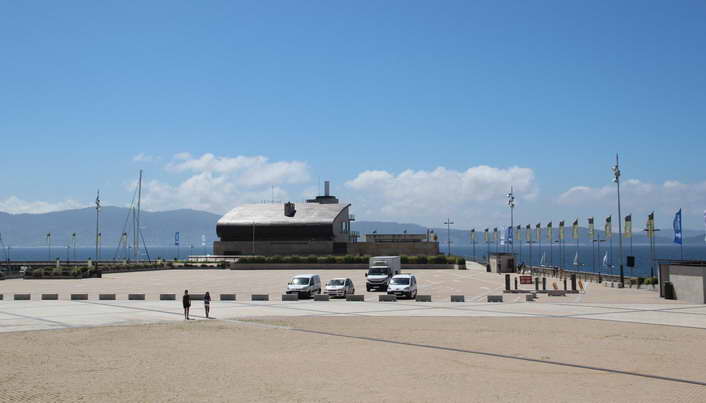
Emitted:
<point x="440" y="284"/>
<point x="218" y="360"/>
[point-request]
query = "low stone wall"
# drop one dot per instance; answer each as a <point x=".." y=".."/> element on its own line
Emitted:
<point x="331" y="266"/>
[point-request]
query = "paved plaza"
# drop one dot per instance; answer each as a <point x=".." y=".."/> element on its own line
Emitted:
<point x="606" y="344"/>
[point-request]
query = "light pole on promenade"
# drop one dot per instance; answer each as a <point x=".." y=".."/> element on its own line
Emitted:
<point x="616" y="174"/>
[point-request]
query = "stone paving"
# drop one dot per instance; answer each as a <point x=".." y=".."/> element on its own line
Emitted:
<point x="597" y="303"/>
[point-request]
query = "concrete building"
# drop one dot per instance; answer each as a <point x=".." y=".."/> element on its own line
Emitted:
<point x="502" y="262"/>
<point x="688" y="279"/>
<point x="320" y="226"/>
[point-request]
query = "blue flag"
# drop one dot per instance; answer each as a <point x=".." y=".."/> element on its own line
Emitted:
<point x="677" y="227"/>
<point x="509" y="235"/>
<point x="176" y="238"/>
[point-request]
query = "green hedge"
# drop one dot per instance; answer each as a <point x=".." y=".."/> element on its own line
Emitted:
<point x="349" y="259"/>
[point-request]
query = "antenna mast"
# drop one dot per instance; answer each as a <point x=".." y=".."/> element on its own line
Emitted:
<point x="98" y="234"/>
<point x="136" y="247"/>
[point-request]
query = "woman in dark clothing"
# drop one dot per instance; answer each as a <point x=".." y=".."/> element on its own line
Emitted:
<point x="186" y="301"/>
<point x="207" y="303"/>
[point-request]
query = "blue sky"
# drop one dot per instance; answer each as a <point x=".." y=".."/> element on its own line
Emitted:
<point x="392" y="101"/>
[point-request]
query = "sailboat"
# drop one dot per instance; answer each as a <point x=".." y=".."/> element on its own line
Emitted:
<point x="576" y="260"/>
<point x="605" y="261"/>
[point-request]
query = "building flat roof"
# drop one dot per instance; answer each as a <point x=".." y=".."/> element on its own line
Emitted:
<point x="273" y="214"/>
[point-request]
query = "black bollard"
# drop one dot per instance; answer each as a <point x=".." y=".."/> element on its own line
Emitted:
<point x="507" y="282"/>
<point x="573" y="282"/>
<point x="564" y="283"/>
<point x="544" y="284"/>
<point x="516" y="283"/>
<point x="536" y="283"/>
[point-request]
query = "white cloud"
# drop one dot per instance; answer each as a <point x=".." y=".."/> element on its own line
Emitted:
<point x="246" y="170"/>
<point x="15" y="205"/>
<point x="219" y="183"/>
<point x="640" y="198"/>
<point x="474" y="195"/>
<point x="142" y="157"/>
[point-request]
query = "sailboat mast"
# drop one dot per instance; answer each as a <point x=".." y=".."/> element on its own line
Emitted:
<point x="98" y="209"/>
<point x="136" y="248"/>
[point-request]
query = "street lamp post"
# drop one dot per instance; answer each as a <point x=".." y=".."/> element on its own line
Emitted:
<point x="511" y="204"/>
<point x="448" y="224"/>
<point x="616" y="174"/>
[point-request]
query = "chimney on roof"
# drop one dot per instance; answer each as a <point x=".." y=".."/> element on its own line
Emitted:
<point x="327" y="188"/>
<point x="289" y="209"/>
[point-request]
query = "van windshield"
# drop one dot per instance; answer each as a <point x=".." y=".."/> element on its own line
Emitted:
<point x="300" y="281"/>
<point x="337" y="282"/>
<point x="378" y="270"/>
<point x="400" y="280"/>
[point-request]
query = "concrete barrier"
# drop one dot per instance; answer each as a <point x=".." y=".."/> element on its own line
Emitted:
<point x="136" y="297"/>
<point x="50" y="297"/>
<point x="356" y="298"/>
<point x="260" y="297"/>
<point x="495" y="298"/>
<point x="23" y="297"/>
<point x="387" y="298"/>
<point x="79" y="297"/>
<point x="321" y="297"/>
<point x="556" y="293"/>
<point x="290" y="297"/>
<point x="227" y="297"/>
<point x="423" y="298"/>
<point x="458" y="298"/>
<point x="106" y="297"/>
<point x="167" y="297"/>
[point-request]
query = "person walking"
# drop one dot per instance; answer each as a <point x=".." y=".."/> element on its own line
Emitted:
<point x="207" y="303"/>
<point x="186" y="302"/>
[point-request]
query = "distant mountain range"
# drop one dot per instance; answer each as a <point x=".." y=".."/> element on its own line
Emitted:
<point x="158" y="228"/>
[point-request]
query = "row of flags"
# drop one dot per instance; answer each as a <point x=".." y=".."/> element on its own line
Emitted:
<point x="510" y="233"/>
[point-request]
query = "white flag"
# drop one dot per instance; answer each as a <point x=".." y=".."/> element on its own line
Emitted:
<point x="605" y="260"/>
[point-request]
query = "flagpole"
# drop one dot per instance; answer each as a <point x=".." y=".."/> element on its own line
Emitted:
<point x="616" y="172"/>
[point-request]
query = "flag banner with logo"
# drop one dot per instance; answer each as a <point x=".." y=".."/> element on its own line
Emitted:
<point x="538" y="229"/>
<point x="518" y="233"/>
<point x="628" y="226"/>
<point x="550" y="232"/>
<point x="528" y="233"/>
<point x="495" y="234"/>
<point x="485" y="236"/>
<point x="561" y="230"/>
<point x="575" y="229"/>
<point x="651" y="225"/>
<point x="591" y="229"/>
<point x="677" y="228"/>
<point x="176" y="238"/>
<point x="473" y="235"/>
<point x="608" y="228"/>
<point x="509" y="238"/>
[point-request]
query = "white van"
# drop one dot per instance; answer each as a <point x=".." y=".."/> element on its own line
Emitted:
<point x="340" y="287"/>
<point x="404" y="285"/>
<point x="305" y="285"/>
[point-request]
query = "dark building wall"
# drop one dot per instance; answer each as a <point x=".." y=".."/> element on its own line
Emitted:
<point x="242" y="233"/>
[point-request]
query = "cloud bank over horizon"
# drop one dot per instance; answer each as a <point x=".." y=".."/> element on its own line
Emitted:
<point x="475" y="196"/>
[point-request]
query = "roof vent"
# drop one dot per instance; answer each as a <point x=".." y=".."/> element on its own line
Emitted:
<point x="289" y="209"/>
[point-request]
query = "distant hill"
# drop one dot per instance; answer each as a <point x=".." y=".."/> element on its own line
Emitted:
<point x="159" y="228"/>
